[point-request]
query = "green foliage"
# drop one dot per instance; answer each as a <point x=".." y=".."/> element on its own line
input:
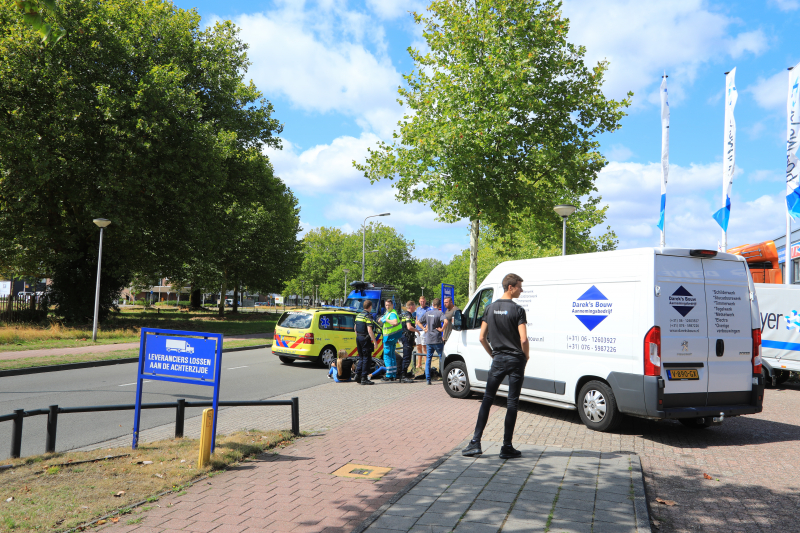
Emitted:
<point x="142" y="117"/>
<point x="430" y="274"/>
<point x="33" y="14"/>
<point x="327" y="252"/>
<point x="505" y="115"/>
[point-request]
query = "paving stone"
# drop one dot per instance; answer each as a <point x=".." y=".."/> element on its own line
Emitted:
<point x="614" y="507"/>
<point x="475" y="527"/>
<point x="562" y="526"/>
<point x="430" y="529"/>
<point x="413" y="499"/>
<point x="572" y="515"/>
<point x="407" y="510"/>
<point x="438" y="519"/>
<point x="614" y="518"/>
<point x="402" y="523"/>
<point x="568" y="503"/>
<point x="607" y="527"/>
<point x="522" y="506"/>
<point x="522" y="516"/>
<point x="524" y="526"/>
<point x="487" y="512"/>
<point x="534" y="496"/>
<point x="450" y="507"/>
<point x="497" y="496"/>
<point x="612" y="497"/>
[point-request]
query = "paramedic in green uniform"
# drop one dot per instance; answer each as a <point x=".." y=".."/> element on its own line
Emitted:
<point x="391" y="334"/>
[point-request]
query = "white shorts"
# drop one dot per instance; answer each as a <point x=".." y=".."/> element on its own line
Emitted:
<point x="420" y="338"/>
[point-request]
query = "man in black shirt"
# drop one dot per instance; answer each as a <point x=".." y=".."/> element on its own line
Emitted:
<point x="504" y="323"/>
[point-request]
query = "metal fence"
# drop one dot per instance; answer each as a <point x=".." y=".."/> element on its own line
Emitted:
<point x="29" y="308"/>
<point x="180" y="410"/>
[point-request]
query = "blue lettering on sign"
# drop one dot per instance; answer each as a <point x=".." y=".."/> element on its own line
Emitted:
<point x="180" y="356"/>
<point x="591" y="308"/>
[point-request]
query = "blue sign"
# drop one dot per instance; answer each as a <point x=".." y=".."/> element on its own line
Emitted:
<point x="592" y="307"/>
<point x="187" y="357"/>
<point x="180" y="356"/>
<point x="448" y="291"/>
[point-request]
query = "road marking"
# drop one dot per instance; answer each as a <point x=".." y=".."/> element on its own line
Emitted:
<point x="234" y="368"/>
<point x="134" y="383"/>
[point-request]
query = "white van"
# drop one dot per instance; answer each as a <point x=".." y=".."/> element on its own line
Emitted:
<point x="663" y="333"/>
<point x="779" y="306"/>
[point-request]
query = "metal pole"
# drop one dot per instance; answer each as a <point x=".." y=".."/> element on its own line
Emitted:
<point x="363" y="247"/>
<point x="179" y="418"/>
<point x="564" y="236"/>
<point x="296" y="416"/>
<point x="16" y="434"/>
<point x="97" y="290"/>
<point x="787" y="254"/>
<point x="52" y="425"/>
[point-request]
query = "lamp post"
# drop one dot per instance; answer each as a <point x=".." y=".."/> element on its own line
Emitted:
<point x="346" y="272"/>
<point x="100" y="223"/>
<point x="423" y="291"/>
<point x="302" y="293"/>
<point x="364" y="242"/>
<point x="316" y="294"/>
<point x="564" y="211"/>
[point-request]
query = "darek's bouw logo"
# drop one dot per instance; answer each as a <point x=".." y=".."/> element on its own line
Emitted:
<point x="682" y="301"/>
<point x="591" y="308"/>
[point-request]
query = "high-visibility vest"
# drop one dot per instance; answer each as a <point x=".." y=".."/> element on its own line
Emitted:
<point x="389" y="329"/>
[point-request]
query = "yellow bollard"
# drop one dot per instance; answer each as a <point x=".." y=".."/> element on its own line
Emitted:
<point x="206" y="429"/>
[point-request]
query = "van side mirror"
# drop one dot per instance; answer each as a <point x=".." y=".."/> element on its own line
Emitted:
<point x="457" y="320"/>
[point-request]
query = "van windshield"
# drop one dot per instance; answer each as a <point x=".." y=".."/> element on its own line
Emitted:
<point x="358" y="303"/>
<point x="295" y="320"/>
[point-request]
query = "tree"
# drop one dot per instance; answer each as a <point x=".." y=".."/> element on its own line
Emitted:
<point x="430" y="274"/>
<point x="504" y="117"/>
<point x="141" y="117"/>
<point x="328" y="251"/>
<point x="33" y="13"/>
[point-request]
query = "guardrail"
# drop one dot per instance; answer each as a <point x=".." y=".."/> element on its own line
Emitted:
<point x="180" y="410"/>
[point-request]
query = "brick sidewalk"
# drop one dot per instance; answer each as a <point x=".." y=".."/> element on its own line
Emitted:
<point x="295" y="491"/>
<point x="754" y="458"/>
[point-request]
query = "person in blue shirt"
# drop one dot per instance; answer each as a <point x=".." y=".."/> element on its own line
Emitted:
<point x="422" y="351"/>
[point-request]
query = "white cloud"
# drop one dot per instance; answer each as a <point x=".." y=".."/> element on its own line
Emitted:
<point x="324" y="59"/>
<point x="770" y="93"/>
<point x="785" y="5"/>
<point x="642" y="39"/>
<point x="619" y="152"/>
<point x="392" y="9"/>
<point x="766" y="175"/>
<point x="632" y="192"/>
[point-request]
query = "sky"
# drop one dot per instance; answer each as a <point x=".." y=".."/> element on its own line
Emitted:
<point x="331" y="68"/>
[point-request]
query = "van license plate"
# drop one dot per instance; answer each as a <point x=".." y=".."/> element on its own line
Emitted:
<point x="682" y="374"/>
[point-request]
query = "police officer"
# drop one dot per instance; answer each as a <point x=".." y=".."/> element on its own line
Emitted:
<point x="408" y="321"/>
<point x="365" y="341"/>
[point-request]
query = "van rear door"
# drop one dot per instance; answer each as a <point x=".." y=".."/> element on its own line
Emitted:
<point x="729" y="332"/>
<point x="681" y="313"/>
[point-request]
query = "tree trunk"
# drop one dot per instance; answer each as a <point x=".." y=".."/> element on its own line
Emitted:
<point x="223" y="294"/>
<point x="235" y="298"/>
<point x="474" y="230"/>
<point x="196" y="298"/>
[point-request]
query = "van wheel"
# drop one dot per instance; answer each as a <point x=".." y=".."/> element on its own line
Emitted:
<point x="696" y="423"/>
<point x="597" y="407"/>
<point x="327" y="355"/>
<point x="783" y="377"/>
<point x="766" y="378"/>
<point x="456" y="382"/>
<point x="286" y="360"/>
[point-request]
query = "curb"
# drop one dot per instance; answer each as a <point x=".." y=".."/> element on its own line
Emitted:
<point x="640" y="497"/>
<point x="107" y="362"/>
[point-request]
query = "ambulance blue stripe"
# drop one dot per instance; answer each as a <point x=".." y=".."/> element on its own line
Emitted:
<point x="781" y="345"/>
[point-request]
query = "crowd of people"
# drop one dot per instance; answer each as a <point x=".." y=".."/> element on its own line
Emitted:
<point x="421" y="330"/>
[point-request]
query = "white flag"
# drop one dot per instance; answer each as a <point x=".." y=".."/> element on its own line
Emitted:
<point x="729" y="151"/>
<point x="792" y="143"/>
<point x="664" y="151"/>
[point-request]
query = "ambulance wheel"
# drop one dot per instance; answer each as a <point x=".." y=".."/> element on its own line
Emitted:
<point x="597" y="407"/>
<point x="327" y="355"/>
<point x="696" y="423"/>
<point x="286" y="360"/>
<point x="456" y="381"/>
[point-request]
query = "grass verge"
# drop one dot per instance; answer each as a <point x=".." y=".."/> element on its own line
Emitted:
<point x="47" y="360"/>
<point x="125" y="327"/>
<point x="49" y="493"/>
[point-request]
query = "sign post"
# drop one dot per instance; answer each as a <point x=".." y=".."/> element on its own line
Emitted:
<point x="448" y="290"/>
<point x="180" y="357"/>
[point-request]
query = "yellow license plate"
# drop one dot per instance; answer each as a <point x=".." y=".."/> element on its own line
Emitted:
<point x="288" y="339"/>
<point x="682" y="374"/>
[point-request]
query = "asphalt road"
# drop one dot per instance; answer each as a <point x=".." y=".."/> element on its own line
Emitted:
<point x="246" y="375"/>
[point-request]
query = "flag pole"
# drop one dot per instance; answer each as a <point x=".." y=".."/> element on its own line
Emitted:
<point x="790" y="178"/>
<point x="723" y="214"/>
<point x="664" y="157"/>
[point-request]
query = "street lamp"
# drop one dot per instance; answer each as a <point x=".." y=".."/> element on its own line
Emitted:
<point x="364" y="242"/>
<point x="316" y="294"/>
<point x="423" y="291"/>
<point x="346" y="272"/>
<point x="564" y="211"/>
<point x="302" y="293"/>
<point x="100" y="223"/>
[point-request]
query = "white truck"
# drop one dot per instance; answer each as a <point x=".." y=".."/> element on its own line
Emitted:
<point x="779" y="306"/>
<point x="175" y="345"/>
<point x="664" y="333"/>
